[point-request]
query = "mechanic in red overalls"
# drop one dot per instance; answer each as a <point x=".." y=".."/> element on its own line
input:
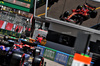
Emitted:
<point x="39" y="38"/>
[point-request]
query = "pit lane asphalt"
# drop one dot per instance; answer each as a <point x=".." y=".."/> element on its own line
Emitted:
<point x="51" y="63"/>
<point x="48" y="63"/>
<point x="58" y="8"/>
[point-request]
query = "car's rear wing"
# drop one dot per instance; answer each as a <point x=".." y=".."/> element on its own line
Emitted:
<point x="90" y="6"/>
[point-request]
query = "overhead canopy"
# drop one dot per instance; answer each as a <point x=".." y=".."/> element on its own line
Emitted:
<point x="96" y="0"/>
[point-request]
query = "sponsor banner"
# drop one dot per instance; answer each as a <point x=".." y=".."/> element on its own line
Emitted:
<point x="29" y="29"/>
<point x="42" y="48"/>
<point x="56" y="56"/>
<point x="21" y="27"/>
<point x="1" y="23"/>
<point x="1" y="31"/>
<point x="13" y="29"/>
<point x="26" y="28"/>
<point x="61" y="58"/>
<point x="70" y="60"/>
<point x="7" y="32"/>
<point x="4" y="25"/>
<point x="15" y="6"/>
<point x="26" y="1"/>
<point x="9" y="26"/>
<point x="49" y="53"/>
<point x="18" y="29"/>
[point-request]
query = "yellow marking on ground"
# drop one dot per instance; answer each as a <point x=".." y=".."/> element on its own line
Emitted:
<point x="30" y="58"/>
<point x="97" y="8"/>
<point x="42" y="13"/>
<point x="48" y="9"/>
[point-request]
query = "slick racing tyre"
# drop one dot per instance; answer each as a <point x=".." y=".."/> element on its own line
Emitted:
<point x="62" y="18"/>
<point x="66" y="14"/>
<point x="42" y="58"/>
<point x="38" y="61"/>
<point x="79" y="20"/>
<point x="17" y="59"/>
<point x="36" y="52"/>
<point x="93" y="14"/>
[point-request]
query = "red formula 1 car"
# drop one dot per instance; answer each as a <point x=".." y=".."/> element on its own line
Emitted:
<point x="80" y="14"/>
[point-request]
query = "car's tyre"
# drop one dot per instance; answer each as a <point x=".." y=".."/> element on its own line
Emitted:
<point x="17" y="59"/>
<point x="38" y="61"/>
<point x="79" y="20"/>
<point x="93" y="14"/>
<point x="36" y="52"/>
<point x="42" y="58"/>
<point x="61" y="16"/>
<point x="66" y="14"/>
<point x="87" y="17"/>
<point x="78" y="7"/>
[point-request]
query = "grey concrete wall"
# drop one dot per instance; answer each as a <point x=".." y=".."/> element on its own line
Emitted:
<point x="59" y="47"/>
<point x="72" y="30"/>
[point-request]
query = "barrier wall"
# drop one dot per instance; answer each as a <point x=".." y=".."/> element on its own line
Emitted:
<point x="56" y="56"/>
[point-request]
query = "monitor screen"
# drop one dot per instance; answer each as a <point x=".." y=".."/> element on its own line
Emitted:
<point x="77" y="12"/>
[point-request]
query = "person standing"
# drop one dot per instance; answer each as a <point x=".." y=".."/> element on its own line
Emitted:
<point x="38" y="36"/>
<point x="44" y="41"/>
<point x="39" y="39"/>
<point x="17" y="29"/>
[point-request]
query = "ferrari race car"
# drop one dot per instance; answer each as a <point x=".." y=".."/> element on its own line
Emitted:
<point x="80" y="14"/>
<point x="14" y="54"/>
